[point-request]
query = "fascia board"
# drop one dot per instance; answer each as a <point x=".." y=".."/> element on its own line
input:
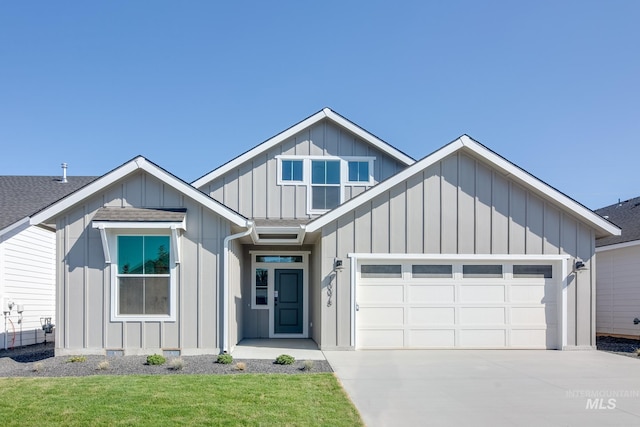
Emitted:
<point x="23" y="223"/>
<point x="550" y="192"/>
<point x="123" y="171"/>
<point x="310" y="121"/>
<point x="615" y="246"/>
<point x="261" y="148"/>
<point x="384" y="186"/>
<point x="370" y="138"/>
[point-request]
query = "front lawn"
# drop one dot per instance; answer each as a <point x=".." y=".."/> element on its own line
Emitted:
<point x="247" y="399"/>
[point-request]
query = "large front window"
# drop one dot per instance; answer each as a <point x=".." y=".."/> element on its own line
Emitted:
<point x="144" y="275"/>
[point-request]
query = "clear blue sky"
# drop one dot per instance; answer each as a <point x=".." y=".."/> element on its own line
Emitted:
<point x="553" y="86"/>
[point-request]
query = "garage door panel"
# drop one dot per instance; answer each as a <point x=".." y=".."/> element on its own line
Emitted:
<point x="431" y="293"/>
<point x="430" y="338"/>
<point x="482" y="315"/>
<point x="478" y="338"/>
<point x="533" y="315"/>
<point x="431" y="316"/>
<point x="482" y="293"/>
<point x="528" y="293"/>
<point x="533" y="338"/>
<point x="381" y="338"/>
<point x="381" y="293"/>
<point x="370" y="316"/>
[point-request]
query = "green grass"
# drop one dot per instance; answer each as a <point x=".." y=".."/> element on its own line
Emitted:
<point x="161" y="400"/>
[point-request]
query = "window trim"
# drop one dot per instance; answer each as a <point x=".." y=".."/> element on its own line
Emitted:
<point x="280" y="169"/>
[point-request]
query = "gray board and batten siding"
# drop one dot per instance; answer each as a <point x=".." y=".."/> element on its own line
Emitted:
<point x="251" y="189"/>
<point x="459" y="205"/>
<point x="83" y="293"/>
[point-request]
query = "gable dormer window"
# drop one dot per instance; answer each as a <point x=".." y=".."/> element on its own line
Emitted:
<point x="325" y="177"/>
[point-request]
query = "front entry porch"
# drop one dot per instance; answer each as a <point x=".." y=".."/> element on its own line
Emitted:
<point x="257" y="348"/>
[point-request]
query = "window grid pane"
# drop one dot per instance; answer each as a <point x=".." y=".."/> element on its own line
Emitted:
<point x="380" y="271"/>
<point x="431" y="271"/>
<point x="359" y="171"/>
<point x="533" y="271"/>
<point x="292" y="170"/>
<point x="482" y="271"/>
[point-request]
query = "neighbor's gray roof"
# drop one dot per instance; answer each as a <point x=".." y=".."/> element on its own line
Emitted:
<point x="22" y="196"/>
<point x="625" y="215"/>
<point x="129" y="214"/>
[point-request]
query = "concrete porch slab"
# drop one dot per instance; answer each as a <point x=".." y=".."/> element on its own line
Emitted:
<point x="301" y="349"/>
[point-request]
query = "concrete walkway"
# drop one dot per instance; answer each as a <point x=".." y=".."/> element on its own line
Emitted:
<point x="301" y="349"/>
<point x="491" y="387"/>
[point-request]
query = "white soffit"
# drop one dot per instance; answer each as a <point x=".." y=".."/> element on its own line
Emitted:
<point x="138" y="163"/>
<point x="603" y="226"/>
<point x="310" y="121"/>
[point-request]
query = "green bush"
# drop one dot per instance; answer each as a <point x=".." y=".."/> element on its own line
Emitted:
<point x="156" y="359"/>
<point x="285" y="359"/>
<point x="77" y="359"/>
<point x="225" y="359"/>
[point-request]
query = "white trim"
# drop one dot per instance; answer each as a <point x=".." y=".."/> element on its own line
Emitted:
<point x="618" y="246"/>
<point x="601" y="226"/>
<point x="354" y="302"/>
<point x="271" y="267"/>
<point x="139" y="163"/>
<point x="458" y="257"/>
<point x="308" y="122"/>
<point x="564" y="305"/>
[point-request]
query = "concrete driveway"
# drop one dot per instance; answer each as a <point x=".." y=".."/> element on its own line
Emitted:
<point x="490" y="387"/>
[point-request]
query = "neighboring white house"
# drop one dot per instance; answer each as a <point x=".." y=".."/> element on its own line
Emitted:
<point x="618" y="272"/>
<point x="27" y="256"/>
<point x="324" y="231"/>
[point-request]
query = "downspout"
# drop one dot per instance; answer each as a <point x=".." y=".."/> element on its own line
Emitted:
<point x="225" y="284"/>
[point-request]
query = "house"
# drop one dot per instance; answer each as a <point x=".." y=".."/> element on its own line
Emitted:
<point x="618" y="272"/>
<point x="27" y="255"/>
<point x="324" y="231"/>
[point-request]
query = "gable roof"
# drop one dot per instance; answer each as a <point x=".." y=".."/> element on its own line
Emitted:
<point x="625" y="215"/>
<point x="601" y="225"/>
<point x="138" y="163"/>
<point x="21" y="196"/>
<point x="325" y="113"/>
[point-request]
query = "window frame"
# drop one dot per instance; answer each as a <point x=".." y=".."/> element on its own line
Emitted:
<point x="307" y="174"/>
<point x="109" y="232"/>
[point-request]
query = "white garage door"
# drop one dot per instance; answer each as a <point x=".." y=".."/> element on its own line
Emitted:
<point x="457" y="305"/>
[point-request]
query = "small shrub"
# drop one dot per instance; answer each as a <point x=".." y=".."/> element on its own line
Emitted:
<point x="176" y="364"/>
<point x="285" y="359"/>
<point x="103" y="366"/>
<point x="225" y="359"/>
<point x="307" y="365"/>
<point x="77" y="359"/>
<point x="37" y="367"/>
<point x="156" y="359"/>
<point x="241" y="366"/>
<point x="637" y="352"/>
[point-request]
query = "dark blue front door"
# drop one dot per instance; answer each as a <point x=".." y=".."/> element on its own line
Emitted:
<point x="288" y="302"/>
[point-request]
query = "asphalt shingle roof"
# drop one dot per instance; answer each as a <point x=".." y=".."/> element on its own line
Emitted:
<point x="625" y="215"/>
<point x="22" y="196"/>
<point x="139" y="214"/>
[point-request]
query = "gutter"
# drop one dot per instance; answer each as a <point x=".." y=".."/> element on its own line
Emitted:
<point x="225" y="284"/>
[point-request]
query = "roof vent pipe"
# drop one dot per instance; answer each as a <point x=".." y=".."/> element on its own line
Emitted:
<point x="64" y="173"/>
